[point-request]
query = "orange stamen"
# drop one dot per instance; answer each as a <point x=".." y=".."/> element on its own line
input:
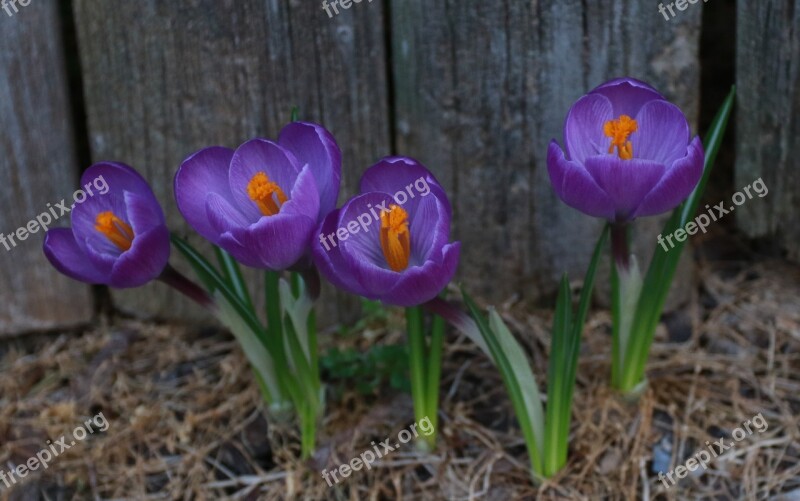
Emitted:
<point x="266" y="194"/>
<point x="395" y="238"/>
<point x="115" y="229"/>
<point x="619" y="130"/>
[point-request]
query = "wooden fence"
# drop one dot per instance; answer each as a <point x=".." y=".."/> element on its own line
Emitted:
<point x="474" y="90"/>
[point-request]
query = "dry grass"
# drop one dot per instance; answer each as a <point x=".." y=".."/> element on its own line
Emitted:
<point x="186" y="420"/>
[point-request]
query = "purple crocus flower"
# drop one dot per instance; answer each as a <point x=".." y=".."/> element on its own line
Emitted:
<point x="391" y="242"/>
<point x="629" y="153"/>
<point x="118" y="238"/>
<point x="262" y="202"/>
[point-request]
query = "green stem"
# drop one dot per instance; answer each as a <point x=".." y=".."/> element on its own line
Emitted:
<point x="308" y="429"/>
<point x="313" y="349"/>
<point x="275" y="337"/>
<point x="416" y="357"/>
<point x="620" y="253"/>
<point x="274" y="317"/>
<point x="616" y="353"/>
<point x="434" y="376"/>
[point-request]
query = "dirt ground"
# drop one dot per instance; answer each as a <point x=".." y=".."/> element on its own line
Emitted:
<point x="185" y="419"/>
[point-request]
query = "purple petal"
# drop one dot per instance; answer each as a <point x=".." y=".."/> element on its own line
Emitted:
<point x="260" y="155"/>
<point x="142" y="213"/>
<point x="279" y="240"/>
<point x="361" y="251"/>
<point x="662" y="133"/>
<point x="583" y="128"/>
<point x="245" y="255"/>
<point x="204" y="172"/>
<point x="374" y="279"/>
<point x="313" y="145"/>
<point x="677" y="184"/>
<point x="429" y="229"/>
<point x="100" y="252"/>
<point x="118" y="177"/>
<point x="144" y="261"/>
<point x="66" y="256"/>
<point x="304" y="197"/>
<point x="223" y="216"/>
<point x="422" y="283"/>
<point x="328" y="257"/>
<point x="626" y="182"/>
<point x="575" y="186"/>
<point x="627" y="95"/>
<point x="405" y="179"/>
<point x="364" y="242"/>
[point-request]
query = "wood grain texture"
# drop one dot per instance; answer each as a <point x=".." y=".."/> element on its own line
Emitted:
<point x="480" y="90"/>
<point x="163" y="79"/>
<point x="38" y="166"/>
<point x="768" y="118"/>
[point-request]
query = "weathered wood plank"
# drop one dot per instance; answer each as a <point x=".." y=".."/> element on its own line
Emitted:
<point x="163" y="79"/>
<point x="768" y="118"/>
<point x="482" y="87"/>
<point x="38" y="166"/>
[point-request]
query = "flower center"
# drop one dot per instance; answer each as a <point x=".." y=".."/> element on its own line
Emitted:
<point x="395" y="238"/>
<point x="115" y="229"/>
<point x="619" y="130"/>
<point x="266" y="194"/>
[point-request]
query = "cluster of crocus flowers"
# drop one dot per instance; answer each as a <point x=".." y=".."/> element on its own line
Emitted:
<point x="271" y="205"/>
<point x="260" y="205"/>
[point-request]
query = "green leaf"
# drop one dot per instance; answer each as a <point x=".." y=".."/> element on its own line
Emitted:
<point x="659" y="276"/>
<point x="233" y="276"/>
<point x="518" y="378"/>
<point x="252" y="346"/>
<point x="573" y="350"/>
<point x="515" y="354"/>
<point x="215" y="283"/>
<point x="557" y="374"/>
<point x="563" y="364"/>
<point x="300" y="364"/>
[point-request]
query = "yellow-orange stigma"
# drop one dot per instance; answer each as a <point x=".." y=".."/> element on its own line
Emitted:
<point x="395" y="238"/>
<point x="115" y="229"/>
<point x="266" y="194"/>
<point x="619" y="130"/>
